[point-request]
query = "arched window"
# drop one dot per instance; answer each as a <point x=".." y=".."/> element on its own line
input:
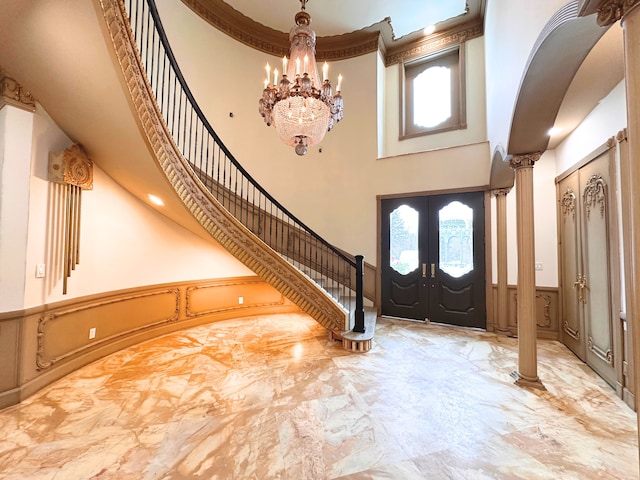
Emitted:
<point x="433" y="99"/>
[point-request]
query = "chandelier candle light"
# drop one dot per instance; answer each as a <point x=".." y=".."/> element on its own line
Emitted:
<point x="302" y="109"/>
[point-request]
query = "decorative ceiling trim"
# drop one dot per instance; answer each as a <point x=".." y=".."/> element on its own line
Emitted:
<point x="377" y="37"/>
<point x="433" y="43"/>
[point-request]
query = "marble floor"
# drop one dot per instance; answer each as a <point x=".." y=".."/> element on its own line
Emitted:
<point x="272" y="398"/>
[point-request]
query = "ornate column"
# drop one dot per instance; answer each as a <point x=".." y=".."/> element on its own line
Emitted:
<point x="527" y="373"/>
<point x="610" y="11"/>
<point x="501" y="234"/>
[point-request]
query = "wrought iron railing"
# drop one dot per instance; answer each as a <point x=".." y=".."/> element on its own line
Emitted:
<point x="221" y="174"/>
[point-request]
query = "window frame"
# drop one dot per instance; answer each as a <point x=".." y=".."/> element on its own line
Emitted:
<point x="410" y="69"/>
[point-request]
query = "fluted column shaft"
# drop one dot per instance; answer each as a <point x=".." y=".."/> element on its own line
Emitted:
<point x="503" y="295"/>
<point x="527" y="373"/>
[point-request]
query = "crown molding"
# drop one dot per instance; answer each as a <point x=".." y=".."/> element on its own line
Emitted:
<point x="377" y="37"/>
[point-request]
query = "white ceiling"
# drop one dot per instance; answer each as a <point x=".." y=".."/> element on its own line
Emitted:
<point x="335" y="17"/>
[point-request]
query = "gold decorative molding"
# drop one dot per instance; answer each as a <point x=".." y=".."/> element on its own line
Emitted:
<point x="377" y="37"/>
<point x="220" y="224"/>
<point x="500" y="192"/>
<point x="546" y="319"/>
<point x="575" y="334"/>
<point x="240" y="284"/>
<point x="610" y="11"/>
<point x="71" y="167"/>
<point x="524" y="160"/>
<point x="595" y="194"/>
<point x="273" y="42"/>
<point x="429" y="45"/>
<point x="12" y="93"/>
<point x="43" y="362"/>
<point x="604" y="355"/>
<point x="568" y="203"/>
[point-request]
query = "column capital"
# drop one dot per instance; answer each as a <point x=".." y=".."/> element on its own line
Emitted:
<point x="500" y="192"/>
<point x="610" y="11"/>
<point x="524" y="160"/>
<point x="12" y="93"/>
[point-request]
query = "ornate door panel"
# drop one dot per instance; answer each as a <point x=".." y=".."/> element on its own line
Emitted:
<point x="597" y="293"/>
<point x="587" y="254"/>
<point x="572" y="323"/>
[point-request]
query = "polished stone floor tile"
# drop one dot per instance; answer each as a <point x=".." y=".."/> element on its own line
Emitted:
<point x="272" y="397"/>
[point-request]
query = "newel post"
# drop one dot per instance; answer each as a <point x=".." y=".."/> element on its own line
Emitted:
<point x="359" y="313"/>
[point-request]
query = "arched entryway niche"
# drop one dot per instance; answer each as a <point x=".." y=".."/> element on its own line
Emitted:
<point x="555" y="58"/>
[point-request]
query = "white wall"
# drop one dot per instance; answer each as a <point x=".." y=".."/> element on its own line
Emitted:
<point x="124" y="243"/>
<point x="16" y="127"/>
<point x="607" y="119"/>
<point x="511" y="30"/>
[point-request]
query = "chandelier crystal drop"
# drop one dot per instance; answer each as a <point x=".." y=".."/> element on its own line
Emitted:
<point x="300" y="106"/>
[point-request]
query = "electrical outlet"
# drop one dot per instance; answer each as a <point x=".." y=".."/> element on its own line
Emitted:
<point x="92" y="333"/>
<point x="538" y="266"/>
<point x="40" y="270"/>
<point x="240" y="300"/>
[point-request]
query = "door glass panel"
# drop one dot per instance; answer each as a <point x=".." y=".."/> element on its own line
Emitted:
<point x="456" y="239"/>
<point x="403" y="239"/>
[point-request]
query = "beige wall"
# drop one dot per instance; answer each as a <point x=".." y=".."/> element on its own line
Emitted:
<point x="333" y="192"/>
<point x="476" y="115"/>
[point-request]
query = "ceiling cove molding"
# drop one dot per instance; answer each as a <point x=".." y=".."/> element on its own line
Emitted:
<point x="377" y="37"/>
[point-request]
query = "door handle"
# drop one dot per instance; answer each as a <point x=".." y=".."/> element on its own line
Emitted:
<point x="433" y="270"/>
<point x="580" y="285"/>
<point x="424" y="270"/>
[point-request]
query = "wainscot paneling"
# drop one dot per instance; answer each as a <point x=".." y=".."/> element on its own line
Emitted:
<point x="546" y="312"/>
<point x="42" y="344"/>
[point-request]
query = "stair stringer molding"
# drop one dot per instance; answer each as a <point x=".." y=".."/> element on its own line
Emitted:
<point x="205" y="208"/>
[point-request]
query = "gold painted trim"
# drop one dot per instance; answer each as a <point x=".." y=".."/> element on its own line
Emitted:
<point x="525" y="160"/>
<point x="595" y="194"/>
<point x="221" y="225"/>
<point x="12" y="93"/>
<point x="605" y="356"/>
<point x="568" y="203"/>
<point x="610" y="11"/>
<point x="377" y="37"/>
<point x="575" y="334"/>
<point x="245" y="306"/>
<point x="44" y="363"/>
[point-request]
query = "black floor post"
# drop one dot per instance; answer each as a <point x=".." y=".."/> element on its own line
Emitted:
<point x="359" y="313"/>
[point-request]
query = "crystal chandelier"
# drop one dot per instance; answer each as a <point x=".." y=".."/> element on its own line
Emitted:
<point x="301" y="107"/>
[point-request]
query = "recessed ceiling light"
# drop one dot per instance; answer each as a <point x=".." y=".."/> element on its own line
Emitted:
<point x="554" y="131"/>
<point x="429" y="29"/>
<point x="156" y="200"/>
